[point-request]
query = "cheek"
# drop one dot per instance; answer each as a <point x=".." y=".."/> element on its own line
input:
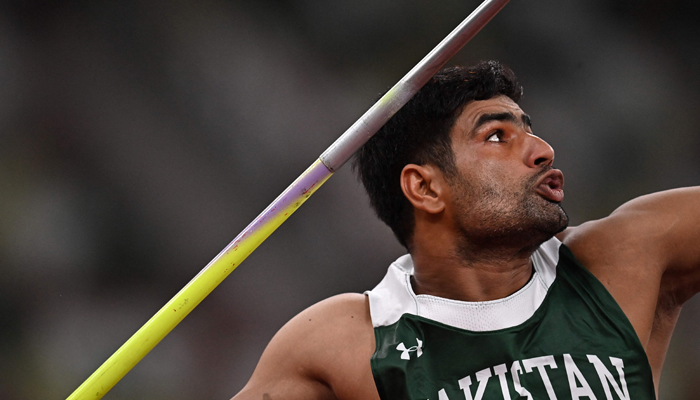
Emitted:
<point x="488" y="175"/>
<point x="496" y="184"/>
<point x="492" y="174"/>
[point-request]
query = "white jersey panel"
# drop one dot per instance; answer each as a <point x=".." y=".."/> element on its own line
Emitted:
<point x="394" y="297"/>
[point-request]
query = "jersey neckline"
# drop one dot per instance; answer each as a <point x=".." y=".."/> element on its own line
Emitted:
<point x="394" y="297"/>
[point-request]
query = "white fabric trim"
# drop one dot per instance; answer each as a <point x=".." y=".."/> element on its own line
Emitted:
<point x="394" y="296"/>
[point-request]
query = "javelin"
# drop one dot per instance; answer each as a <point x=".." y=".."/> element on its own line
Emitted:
<point x="151" y="333"/>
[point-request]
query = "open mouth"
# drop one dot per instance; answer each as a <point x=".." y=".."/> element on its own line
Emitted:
<point x="551" y="186"/>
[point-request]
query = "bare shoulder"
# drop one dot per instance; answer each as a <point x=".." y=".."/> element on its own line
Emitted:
<point x="322" y="353"/>
<point x="645" y="253"/>
<point x="631" y="249"/>
<point x="623" y="251"/>
<point x="646" y="229"/>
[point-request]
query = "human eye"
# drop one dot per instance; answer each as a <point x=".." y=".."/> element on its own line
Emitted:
<point x="496" y="137"/>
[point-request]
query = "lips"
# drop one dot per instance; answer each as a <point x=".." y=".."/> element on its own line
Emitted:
<point x="551" y="186"/>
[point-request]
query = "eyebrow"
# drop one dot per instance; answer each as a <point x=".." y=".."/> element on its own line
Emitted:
<point x="503" y="116"/>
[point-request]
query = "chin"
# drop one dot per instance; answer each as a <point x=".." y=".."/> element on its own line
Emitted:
<point x="556" y="221"/>
<point x="543" y="219"/>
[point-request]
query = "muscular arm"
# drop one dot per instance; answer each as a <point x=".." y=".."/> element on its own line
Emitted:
<point x="322" y="353"/>
<point x="660" y="230"/>
<point x="647" y="254"/>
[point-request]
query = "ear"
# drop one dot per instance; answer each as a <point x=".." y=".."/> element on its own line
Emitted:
<point x="424" y="187"/>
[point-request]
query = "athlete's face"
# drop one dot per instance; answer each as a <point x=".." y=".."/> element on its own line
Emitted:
<point x="506" y="188"/>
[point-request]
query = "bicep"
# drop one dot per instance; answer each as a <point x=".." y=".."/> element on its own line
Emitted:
<point x="303" y="360"/>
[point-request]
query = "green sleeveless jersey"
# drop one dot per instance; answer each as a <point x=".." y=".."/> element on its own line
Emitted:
<point x="562" y="336"/>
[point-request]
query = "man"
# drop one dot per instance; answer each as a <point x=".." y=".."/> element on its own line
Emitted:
<point x="490" y="304"/>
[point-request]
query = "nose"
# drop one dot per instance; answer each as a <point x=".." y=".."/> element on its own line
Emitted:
<point x="538" y="153"/>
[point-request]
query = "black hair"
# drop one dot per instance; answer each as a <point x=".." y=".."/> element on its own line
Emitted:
<point x="419" y="133"/>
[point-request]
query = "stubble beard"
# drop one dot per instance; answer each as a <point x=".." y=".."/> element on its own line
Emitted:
<point x="494" y="220"/>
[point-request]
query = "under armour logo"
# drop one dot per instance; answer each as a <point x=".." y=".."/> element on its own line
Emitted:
<point x="405" y="352"/>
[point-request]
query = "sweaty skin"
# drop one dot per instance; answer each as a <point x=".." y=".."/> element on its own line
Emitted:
<point x="645" y="253"/>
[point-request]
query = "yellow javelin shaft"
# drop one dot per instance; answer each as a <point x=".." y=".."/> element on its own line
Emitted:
<point x="131" y="352"/>
<point x="150" y="334"/>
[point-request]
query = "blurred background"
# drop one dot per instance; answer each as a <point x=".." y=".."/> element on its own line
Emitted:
<point x="137" y="138"/>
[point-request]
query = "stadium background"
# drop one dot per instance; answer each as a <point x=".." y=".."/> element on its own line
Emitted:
<point x="137" y="138"/>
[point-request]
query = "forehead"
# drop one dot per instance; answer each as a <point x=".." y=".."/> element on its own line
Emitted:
<point x="474" y="110"/>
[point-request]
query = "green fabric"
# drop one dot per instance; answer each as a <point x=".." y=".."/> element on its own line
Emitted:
<point x="578" y="322"/>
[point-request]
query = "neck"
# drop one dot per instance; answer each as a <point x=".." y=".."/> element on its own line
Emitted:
<point x="470" y="271"/>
